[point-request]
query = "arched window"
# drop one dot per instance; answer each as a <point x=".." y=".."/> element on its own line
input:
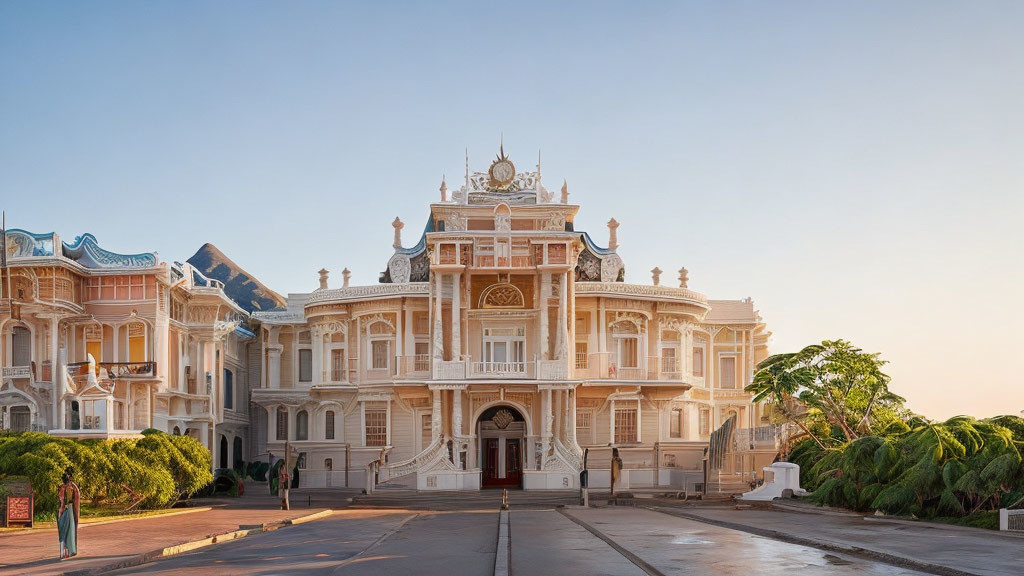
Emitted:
<point x="177" y="431"/>
<point x="223" y="452"/>
<point x="302" y="425"/>
<point x="136" y="342"/>
<point x="282" y="423"/>
<point x="329" y="425"/>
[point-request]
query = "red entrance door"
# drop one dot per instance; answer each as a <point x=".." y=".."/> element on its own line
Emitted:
<point x="513" y="463"/>
<point x="513" y="476"/>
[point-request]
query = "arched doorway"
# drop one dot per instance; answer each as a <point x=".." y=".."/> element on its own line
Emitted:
<point x="501" y="431"/>
<point x="223" y="452"/>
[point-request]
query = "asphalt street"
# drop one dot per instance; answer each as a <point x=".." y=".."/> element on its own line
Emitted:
<point x="548" y="542"/>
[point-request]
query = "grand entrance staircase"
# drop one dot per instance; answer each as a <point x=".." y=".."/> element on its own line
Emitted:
<point x="463" y="500"/>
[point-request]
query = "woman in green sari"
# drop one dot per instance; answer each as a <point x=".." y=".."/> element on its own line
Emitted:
<point x="67" y="516"/>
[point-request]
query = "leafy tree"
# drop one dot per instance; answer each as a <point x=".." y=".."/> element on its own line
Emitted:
<point x="833" y="383"/>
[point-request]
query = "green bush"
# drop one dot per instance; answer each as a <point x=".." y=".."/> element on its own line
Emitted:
<point x="151" y="472"/>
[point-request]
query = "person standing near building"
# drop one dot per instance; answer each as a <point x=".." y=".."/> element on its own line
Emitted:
<point x="68" y="515"/>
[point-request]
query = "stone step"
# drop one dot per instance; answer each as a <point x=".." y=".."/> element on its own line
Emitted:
<point x="488" y="499"/>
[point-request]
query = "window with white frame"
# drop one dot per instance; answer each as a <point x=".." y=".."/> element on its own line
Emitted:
<point x="329" y="425"/>
<point x="626" y="344"/>
<point x="675" y="423"/>
<point x="698" y="361"/>
<point x="282" y="424"/>
<point x="584" y="426"/>
<point x="504" y="345"/>
<point x="337" y="364"/>
<point x="302" y="425"/>
<point x="305" y="365"/>
<point x="727" y="371"/>
<point x="229" y="390"/>
<point x="376" y="419"/>
<point x="21" y="342"/>
<point x="581" y="355"/>
<point x="380" y="353"/>
<point x="669" y="359"/>
<point x="705" y="421"/>
<point x="625" y="425"/>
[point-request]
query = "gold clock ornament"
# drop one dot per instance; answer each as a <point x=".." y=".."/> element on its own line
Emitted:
<point x="502" y="172"/>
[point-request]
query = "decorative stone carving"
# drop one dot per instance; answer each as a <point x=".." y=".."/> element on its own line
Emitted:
<point x="323" y="278"/>
<point x="371" y="320"/>
<point x="613" y="238"/>
<point x="454" y="222"/>
<point x="502" y="419"/>
<point x="684" y="277"/>
<point x="565" y="191"/>
<point x="635" y="318"/>
<point x="656" y="275"/>
<point x="502" y="295"/>
<point x="502" y="219"/>
<point x="611" y="268"/>
<point x="202" y="314"/>
<point x="555" y="222"/>
<point x="398" y="225"/>
<point x="588" y="267"/>
<point x="400" y="268"/>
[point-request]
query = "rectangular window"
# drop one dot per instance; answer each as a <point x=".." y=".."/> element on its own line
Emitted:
<point x="581" y="355"/>
<point x="584" y="419"/>
<point x="282" y="424"/>
<point x="628" y="352"/>
<point x="705" y="424"/>
<point x="381" y="352"/>
<point x="426" y="430"/>
<point x="675" y="423"/>
<point x="305" y="365"/>
<point x="728" y="371"/>
<point x="337" y="365"/>
<point x="668" y="360"/>
<point x="229" y="390"/>
<point x="698" y="362"/>
<point x="376" y="426"/>
<point x="625" y="425"/>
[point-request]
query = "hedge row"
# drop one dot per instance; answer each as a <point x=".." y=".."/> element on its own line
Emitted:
<point x="149" y="472"/>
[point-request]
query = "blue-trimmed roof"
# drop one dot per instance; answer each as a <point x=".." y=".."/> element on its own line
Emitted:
<point x="594" y="247"/>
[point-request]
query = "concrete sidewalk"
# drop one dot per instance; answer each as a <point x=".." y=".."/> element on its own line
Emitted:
<point x="936" y="549"/>
<point x="108" y="546"/>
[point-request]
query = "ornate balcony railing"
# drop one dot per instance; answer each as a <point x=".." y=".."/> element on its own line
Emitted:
<point x="116" y="370"/>
<point x="510" y="369"/>
<point x="17" y="372"/>
<point x="417" y="366"/>
<point x="759" y="438"/>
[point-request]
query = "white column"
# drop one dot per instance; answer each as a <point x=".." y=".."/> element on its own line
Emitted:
<point x="435" y="416"/>
<point x="438" y="334"/>
<point x="545" y="290"/>
<point x="546" y="406"/>
<point x="161" y="352"/>
<point x="56" y="374"/>
<point x="456" y="317"/>
<point x="457" y="413"/>
<point x="317" y="338"/>
<point x="562" y="346"/>
<point x="410" y="339"/>
<point x="573" y="441"/>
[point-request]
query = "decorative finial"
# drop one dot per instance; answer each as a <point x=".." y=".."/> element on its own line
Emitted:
<point x="538" y="167"/>
<point x="345" y="275"/>
<point x="613" y="239"/>
<point x="684" y="277"/>
<point x="656" y="275"/>
<point x="398" y="232"/>
<point x="565" y="191"/>
<point x="444" y="189"/>
<point x="323" y="278"/>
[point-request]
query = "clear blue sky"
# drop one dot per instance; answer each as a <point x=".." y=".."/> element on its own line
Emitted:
<point x="856" y="168"/>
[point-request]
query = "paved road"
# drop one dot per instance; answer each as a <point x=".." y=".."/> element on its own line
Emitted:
<point x="969" y="550"/>
<point x="395" y="542"/>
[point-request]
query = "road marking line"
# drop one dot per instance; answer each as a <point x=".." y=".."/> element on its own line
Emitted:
<point x="503" y="550"/>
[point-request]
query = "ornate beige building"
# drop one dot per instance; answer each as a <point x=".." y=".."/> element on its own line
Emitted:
<point x="492" y="353"/>
<point x="498" y="348"/>
<point x="99" y="345"/>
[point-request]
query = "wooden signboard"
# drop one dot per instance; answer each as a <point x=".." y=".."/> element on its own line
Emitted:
<point x="20" y="510"/>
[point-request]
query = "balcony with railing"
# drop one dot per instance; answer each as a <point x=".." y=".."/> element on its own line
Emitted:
<point x="501" y="255"/>
<point x="417" y="366"/>
<point x="755" y="439"/>
<point x="605" y="366"/>
<point x="17" y="372"/>
<point x="116" y="370"/>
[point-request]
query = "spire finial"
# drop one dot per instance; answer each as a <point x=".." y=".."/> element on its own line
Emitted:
<point x="565" y="191"/>
<point x="684" y="277"/>
<point x="656" y="275"/>
<point x="398" y="225"/>
<point x="345" y="275"/>
<point x="444" y="189"/>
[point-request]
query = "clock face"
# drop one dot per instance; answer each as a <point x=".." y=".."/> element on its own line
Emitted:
<point x="502" y="173"/>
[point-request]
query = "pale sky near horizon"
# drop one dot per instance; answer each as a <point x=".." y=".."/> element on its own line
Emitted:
<point x="854" y="167"/>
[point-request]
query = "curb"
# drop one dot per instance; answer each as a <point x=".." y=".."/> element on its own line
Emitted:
<point x="242" y="532"/>
<point x="892" y="559"/>
<point x="940" y="526"/>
